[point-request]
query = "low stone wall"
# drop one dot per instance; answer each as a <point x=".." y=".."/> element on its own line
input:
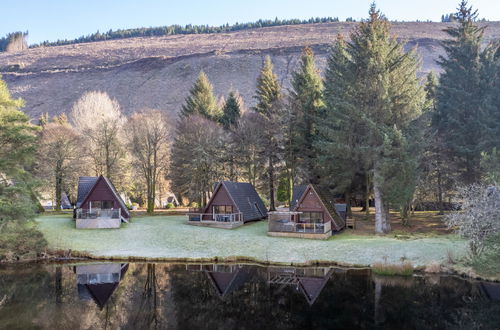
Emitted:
<point x="98" y="223"/>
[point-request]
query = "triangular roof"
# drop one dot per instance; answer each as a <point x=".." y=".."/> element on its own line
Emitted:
<point x="492" y="290"/>
<point x="101" y="292"/>
<point x="87" y="184"/>
<point x="227" y="282"/>
<point x="311" y="287"/>
<point x="245" y="197"/>
<point x="325" y="197"/>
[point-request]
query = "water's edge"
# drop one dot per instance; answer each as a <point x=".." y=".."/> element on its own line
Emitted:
<point x="72" y="256"/>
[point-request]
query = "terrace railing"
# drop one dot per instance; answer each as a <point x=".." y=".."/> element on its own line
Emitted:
<point x="284" y="226"/>
<point x="98" y="213"/>
<point x="216" y="217"/>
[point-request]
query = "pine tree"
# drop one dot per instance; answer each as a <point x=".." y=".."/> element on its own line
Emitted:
<point x="459" y="110"/>
<point x="201" y="100"/>
<point x="231" y="111"/>
<point x="490" y="76"/>
<point x="268" y="89"/>
<point x="340" y="131"/>
<point x="268" y="95"/>
<point x="18" y="145"/>
<point x="437" y="173"/>
<point x="306" y="103"/>
<point x="376" y="96"/>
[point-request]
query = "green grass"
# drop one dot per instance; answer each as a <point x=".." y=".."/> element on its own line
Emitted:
<point x="383" y="268"/>
<point x="170" y="238"/>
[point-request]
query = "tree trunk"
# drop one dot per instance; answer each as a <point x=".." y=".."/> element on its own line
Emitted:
<point x="378" y="295"/>
<point x="367" y="197"/>
<point x="58" y="285"/>
<point x="440" y="193"/>
<point x="58" y="190"/>
<point x="382" y="221"/>
<point x="348" y="203"/>
<point x="272" y="206"/>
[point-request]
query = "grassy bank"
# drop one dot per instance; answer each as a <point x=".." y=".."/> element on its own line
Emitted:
<point x="20" y="242"/>
<point x="168" y="237"/>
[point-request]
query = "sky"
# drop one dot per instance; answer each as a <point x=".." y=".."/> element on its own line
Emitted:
<point x="69" y="19"/>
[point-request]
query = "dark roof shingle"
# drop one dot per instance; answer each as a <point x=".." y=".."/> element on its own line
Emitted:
<point x="246" y="199"/>
<point x="326" y="198"/>
<point x="85" y="184"/>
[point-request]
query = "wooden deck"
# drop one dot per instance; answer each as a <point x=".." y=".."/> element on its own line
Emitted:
<point x="216" y="224"/>
<point x="214" y="220"/>
<point x="300" y="235"/>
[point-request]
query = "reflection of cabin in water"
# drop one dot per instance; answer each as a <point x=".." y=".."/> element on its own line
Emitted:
<point x="98" y="282"/>
<point x="310" y="281"/>
<point x="224" y="278"/>
<point x="313" y="214"/>
<point x="231" y="205"/>
<point x="98" y="204"/>
<point x="492" y="290"/>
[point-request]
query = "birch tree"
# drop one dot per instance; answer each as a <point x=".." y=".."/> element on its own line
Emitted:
<point x="99" y="120"/>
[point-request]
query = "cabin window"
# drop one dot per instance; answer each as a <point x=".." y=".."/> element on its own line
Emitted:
<point x="311" y="217"/>
<point x="223" y="209"/>
<point x="103" y="205"/>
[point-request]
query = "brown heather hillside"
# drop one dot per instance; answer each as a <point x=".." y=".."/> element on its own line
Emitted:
<point x="157" y="72"/>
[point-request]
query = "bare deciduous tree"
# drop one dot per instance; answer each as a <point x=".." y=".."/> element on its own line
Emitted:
<point x="479" y="217"/>
<point x="248" y="144"/>
<point x="149" y="138"/>
<point x="98" y="118"/>
<point x="58" y="157"/>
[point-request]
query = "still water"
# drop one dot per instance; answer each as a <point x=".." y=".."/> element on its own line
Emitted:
<point x="195" y="296"/>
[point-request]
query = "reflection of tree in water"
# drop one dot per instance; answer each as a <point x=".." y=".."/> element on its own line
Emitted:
<point x="147" y="310"/>
<point x="166" y="296"/>
<point x="426" y="303"/>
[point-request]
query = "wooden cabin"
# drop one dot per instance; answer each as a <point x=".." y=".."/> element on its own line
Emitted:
<point x="224" y="278"/>
<point x="313" y="213"/>
<point x="99" y="281"/>
<point x="98" y="204"/>
<point x="231" y="205"/>
<point x="309" y="281"/>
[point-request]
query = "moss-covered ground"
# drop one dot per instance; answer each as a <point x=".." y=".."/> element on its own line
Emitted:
<point x="169" y="237"/>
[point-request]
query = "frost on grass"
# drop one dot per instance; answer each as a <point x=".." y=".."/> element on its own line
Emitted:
<point x="171" y="237"/>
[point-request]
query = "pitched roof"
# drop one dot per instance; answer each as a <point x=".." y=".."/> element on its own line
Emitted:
<point x="87" y="183"/>
<point x="120" y="200"/>
<point x="246" y="199"/>
<point x="311" y="287"/>
<point x="298" y="191"/>
<point x="100" y="292"/>
<point x="225" y="283"/>
<point x="326" y="198"/>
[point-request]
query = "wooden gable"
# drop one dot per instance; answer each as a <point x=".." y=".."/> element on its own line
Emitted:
<point x="311" y="202"/>
<point x="101" y="191"/>
<point x="220" y="197"/>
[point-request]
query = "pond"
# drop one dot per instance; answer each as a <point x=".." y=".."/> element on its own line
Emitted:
<point x="237" y="296"/>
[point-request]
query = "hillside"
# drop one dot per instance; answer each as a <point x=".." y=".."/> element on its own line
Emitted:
<point x="157" y="72"/>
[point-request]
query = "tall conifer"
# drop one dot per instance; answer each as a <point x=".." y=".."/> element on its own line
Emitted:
<point x="306" y="103"/>
<point x="201" y="100"/>
<point x="375" y="98"/>
<point x="268" y="95"/>
<point x="459" y="109"/>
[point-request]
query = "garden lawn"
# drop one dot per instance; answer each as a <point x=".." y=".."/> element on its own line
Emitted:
<point x="169" y="237"/>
